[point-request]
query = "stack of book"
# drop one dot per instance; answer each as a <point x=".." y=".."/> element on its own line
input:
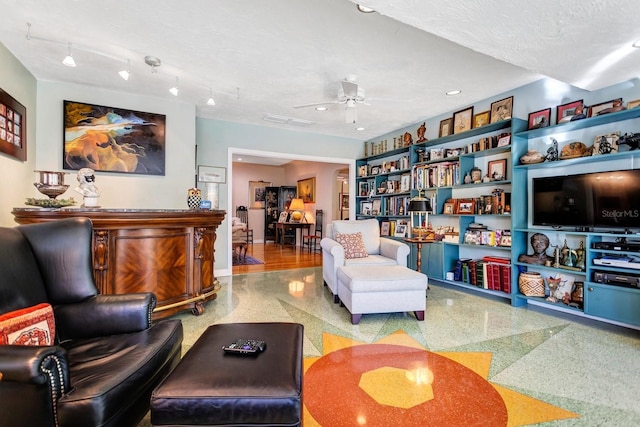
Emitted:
<point x="490" y="272"/>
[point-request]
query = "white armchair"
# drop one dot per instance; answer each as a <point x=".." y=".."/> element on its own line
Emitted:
<point x="380" y="250"/>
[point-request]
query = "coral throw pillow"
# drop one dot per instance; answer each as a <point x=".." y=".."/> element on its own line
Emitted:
<point x="353" y="245"/>
<point x="28" y="326"/>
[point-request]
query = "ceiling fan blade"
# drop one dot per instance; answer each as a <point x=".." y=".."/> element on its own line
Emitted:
<point x="315" y="103"/>
<point x="350" y="89"/>
<point x="351" y="115"/>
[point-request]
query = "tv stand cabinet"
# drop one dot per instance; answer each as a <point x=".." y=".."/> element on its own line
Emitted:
<point x="614" y="304"/>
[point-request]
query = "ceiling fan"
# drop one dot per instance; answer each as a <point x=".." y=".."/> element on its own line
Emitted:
<point x="349" y="94"/>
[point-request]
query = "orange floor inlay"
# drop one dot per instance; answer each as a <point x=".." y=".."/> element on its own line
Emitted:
<point x="397" y="382"/>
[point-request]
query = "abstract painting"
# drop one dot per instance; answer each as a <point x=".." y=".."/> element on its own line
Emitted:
<point x="109" y="139"/>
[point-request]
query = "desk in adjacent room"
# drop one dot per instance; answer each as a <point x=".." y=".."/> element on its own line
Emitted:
<point x="281" y="228"/>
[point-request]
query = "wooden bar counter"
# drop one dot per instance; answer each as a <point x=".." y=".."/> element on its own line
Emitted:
<point x="169" y="252"/>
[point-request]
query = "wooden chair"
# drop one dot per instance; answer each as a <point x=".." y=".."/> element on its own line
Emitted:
<point x="311" y="240"/>
<point x="243" y="214"/>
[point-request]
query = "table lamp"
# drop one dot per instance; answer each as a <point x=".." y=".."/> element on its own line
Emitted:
<point x="297" y="210"/>
<point x="419" y="207"/>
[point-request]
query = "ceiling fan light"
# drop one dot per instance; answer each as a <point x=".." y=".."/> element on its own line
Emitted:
<point x="351" y="103"/>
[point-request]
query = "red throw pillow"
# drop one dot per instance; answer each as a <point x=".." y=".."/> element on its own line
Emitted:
<point x="28" y="326"/>
<point x="353" y="245"/>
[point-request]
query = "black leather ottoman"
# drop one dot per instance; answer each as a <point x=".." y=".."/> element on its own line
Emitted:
<point x="212" y="388"/>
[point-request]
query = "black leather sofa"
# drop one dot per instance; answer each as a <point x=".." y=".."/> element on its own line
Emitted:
<point x="107" y="355"/>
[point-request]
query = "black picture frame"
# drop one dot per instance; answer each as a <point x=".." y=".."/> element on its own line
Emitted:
<point x="502" y="109"/>
<point x="90" y="139"/>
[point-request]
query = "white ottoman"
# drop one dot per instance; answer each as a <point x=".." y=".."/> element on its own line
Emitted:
<point x="381" y="289"/>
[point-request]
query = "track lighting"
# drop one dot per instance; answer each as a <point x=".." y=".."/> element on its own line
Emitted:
<point x="210" y="101"/>
<point x="174" y="90"/>
<point x="126" y="73"/>
<point x="68" y="60"/>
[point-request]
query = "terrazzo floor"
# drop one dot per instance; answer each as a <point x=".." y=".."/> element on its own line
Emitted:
<point x="473" y="361"/>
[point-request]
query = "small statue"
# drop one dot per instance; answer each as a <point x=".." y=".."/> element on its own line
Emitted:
<point x="421" y="131"/>
<point x="580" y="257"/>
<point x="540" y="243"/>
<point x="408" y="139"/>
<point x="552" y="152"/>
<point x="87" y="187"/>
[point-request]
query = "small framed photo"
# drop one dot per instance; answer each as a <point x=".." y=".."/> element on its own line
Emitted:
<point x="284" y="216"/>
<point x="366" y="208"/>
<point x="606" y="107"/>
<point x="375" y="170"/>
<point x="566" y="111"/>
<point x="505" y="140"/>
<point x="539" y="119"/>
<point x="466" y="206"/>
<point x="375" y="207"/>
<point x="481" y="119"/>
<point x="384" y="228"/>
<point x="436" y="153"/>
<point x="400" y="231"/>
<point x="462" y="120"/>
<point x="498" y="169"/>
<point x="505" y="240"/>
<point x="363" y="189"/>
<point x="445" y="127"/>
<point x="501" y="110"/>
<point x="213" y="174"/>
<point x="633" y="104"/>
<point x="449" y="208"/>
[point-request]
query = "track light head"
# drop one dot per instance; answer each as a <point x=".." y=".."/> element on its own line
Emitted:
<point x="68" y="60"/>
<point x="174" y="90"/>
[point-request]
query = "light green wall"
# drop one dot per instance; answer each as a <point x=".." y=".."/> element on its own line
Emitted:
<point x="18" y="176"/>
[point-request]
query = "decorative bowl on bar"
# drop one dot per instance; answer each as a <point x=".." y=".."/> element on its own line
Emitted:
<point x="51" y="183"/>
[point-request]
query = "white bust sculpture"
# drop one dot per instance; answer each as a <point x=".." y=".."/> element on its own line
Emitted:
<point x="87" y="187"/>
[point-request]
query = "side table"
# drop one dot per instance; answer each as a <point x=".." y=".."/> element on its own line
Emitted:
<point x="418" y="242"/>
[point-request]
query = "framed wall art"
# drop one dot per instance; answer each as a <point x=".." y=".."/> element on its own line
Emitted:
<point x="633" y="104"/>
<point x="481" y="119"/>
<point x="344" y="200"/>
<point x="462" y="120"/>
<point x="566" y="111"/>
<point x="445" y="127"/>
<point x="109" y="139"/>
<point x="539" y="119"/>
<point x="606" y="107"/>
<point x="13" y="127"/>
<point x="213" y="174"/>
<point x="501" y="110"/>
<point x="257" y="194"/>
<point x="498" y="169"/>
<point x="307" y="190"/>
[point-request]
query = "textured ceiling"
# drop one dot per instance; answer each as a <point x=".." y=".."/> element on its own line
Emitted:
<point x="265" y="57"/>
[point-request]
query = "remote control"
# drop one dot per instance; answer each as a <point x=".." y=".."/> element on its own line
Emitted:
<point x="245" y="346"/>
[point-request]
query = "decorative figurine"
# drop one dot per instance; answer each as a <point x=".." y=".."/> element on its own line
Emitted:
<point x="552" y="152"/>
<point x="580" y="257"/>
<point x="87" y="187"/>
<point x="194" y="196"/>
<point x="408" y="139"/>
<point x="579" y="113"/>
<point x="540" y="243"/>
<point x="421" y="131"/>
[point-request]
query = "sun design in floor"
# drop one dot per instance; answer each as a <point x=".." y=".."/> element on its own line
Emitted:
<point x="396" y="380"/>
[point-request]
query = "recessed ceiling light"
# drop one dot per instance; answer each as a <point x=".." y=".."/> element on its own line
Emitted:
<point x="321" y="108"/>
<point x="454" y="92"/>
<point x="365" y="9"/>
<point x="360" y="128"/>
<point x="239" y="159"/>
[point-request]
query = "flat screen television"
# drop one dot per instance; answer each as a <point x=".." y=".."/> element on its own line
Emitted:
<point x="608" y="200"/>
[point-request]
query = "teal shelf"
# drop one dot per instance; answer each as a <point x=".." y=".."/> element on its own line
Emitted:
<point x="582" y="160"/>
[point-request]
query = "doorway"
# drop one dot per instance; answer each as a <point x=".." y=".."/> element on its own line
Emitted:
<point x="268" y="158"/>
